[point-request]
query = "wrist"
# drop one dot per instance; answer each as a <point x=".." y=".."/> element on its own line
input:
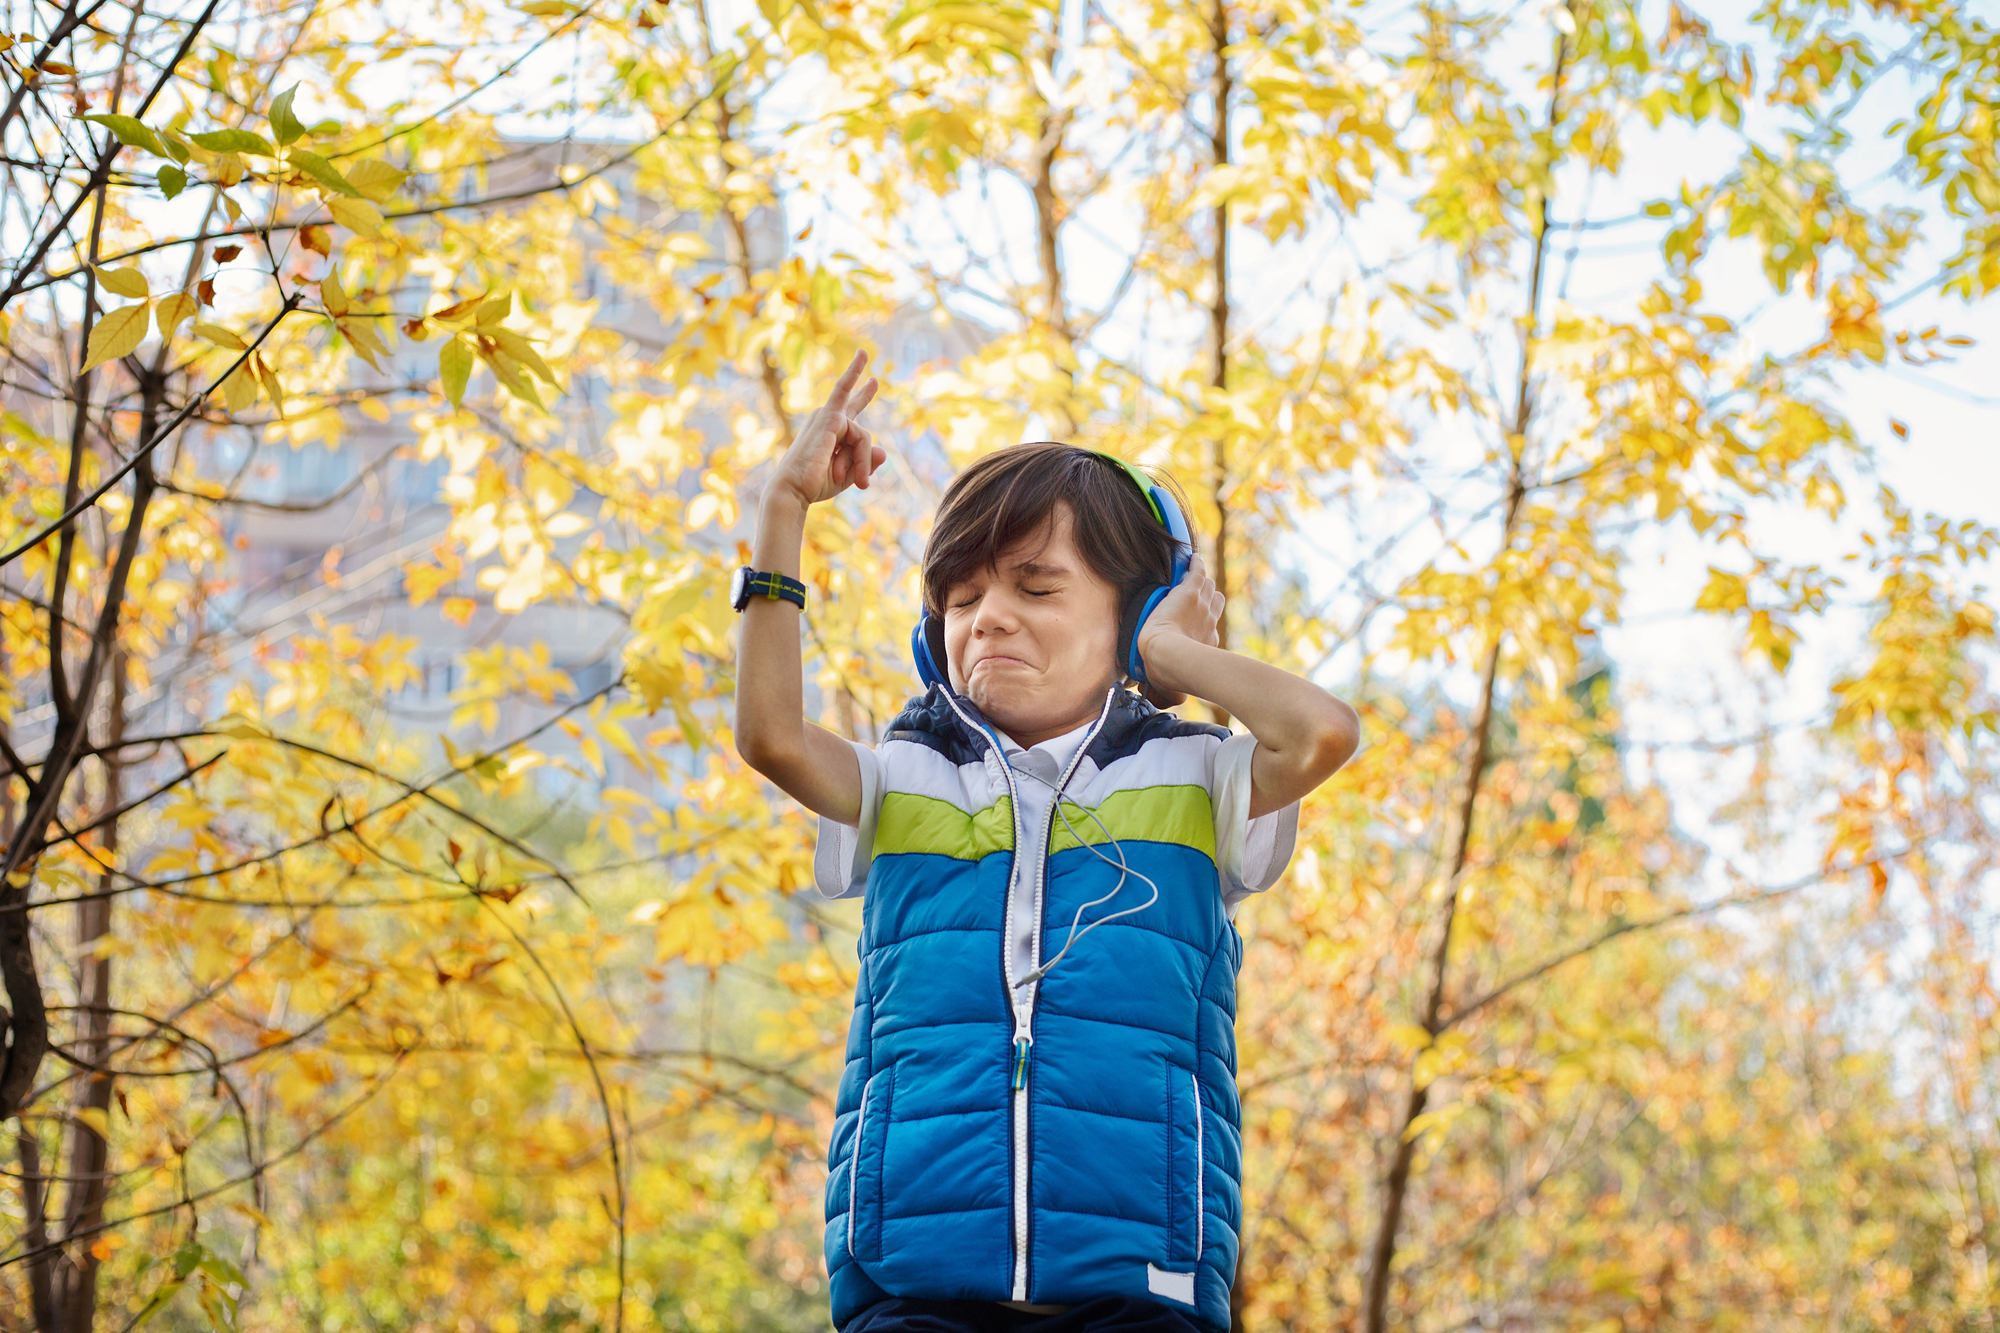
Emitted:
<point x="782" y="504"/>
<point x="1168" y="661"/>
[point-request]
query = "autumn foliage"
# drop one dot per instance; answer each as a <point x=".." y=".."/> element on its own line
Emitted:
<point x="330" y="1008"/>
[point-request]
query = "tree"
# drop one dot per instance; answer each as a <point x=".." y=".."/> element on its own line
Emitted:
<point x="319" y="950"/>
<point x="337" y="996"/>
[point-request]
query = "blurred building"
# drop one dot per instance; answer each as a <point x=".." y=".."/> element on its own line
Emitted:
<point x="322" y="535"/>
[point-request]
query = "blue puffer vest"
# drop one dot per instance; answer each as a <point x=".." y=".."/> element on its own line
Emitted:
<point x="1085" y="1141"/>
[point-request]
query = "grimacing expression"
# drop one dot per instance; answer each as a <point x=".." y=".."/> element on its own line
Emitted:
<point x="1033" y="640"/>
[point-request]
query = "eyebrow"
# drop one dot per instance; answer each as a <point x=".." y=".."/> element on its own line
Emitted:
<point x="1039" y="569"/>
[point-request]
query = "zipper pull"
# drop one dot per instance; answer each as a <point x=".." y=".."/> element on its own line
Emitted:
<point x="1021" y="1045"/>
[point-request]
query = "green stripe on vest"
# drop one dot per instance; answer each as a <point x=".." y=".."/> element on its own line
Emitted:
<point x="1143" y="814"/>
<point x="912" y="823"/>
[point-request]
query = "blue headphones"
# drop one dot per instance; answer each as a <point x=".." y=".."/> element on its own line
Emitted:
<point x="927" y="640"/>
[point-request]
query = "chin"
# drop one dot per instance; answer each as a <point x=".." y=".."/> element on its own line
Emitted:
<point x="1002" y="704"/>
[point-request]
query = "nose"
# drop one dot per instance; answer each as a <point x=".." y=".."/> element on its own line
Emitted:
<point x="994" y="615"/>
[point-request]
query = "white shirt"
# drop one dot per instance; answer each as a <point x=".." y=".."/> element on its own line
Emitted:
<point x="1040" y="768"/>
<point x="1250" y="854"/>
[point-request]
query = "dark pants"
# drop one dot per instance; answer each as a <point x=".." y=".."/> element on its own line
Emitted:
<point x="1106" y="1314"/>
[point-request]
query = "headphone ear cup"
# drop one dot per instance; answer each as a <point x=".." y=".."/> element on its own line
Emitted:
<point x="934" y="639"/>
<point x="1128" y="644"/>
<point x="927" y="650"/>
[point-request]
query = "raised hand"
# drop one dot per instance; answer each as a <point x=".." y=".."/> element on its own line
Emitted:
<point x="1192" y="611"/>
<point x="831" y="450"/>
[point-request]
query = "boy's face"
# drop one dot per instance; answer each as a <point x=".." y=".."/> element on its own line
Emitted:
<point x="1032" y="641"/>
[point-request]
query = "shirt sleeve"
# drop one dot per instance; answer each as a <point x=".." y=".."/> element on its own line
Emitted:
<point x="1250" y="853"/>
<point x="842" y="854"/>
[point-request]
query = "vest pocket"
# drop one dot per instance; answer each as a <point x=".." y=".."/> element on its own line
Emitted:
<point x="1186" y="1157"/>
<point x="864" y="1181"/>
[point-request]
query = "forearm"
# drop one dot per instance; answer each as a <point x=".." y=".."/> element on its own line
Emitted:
<point x="1303" y="733"/>
<point x="770" y="686"/>
<point x="772" y="733"/>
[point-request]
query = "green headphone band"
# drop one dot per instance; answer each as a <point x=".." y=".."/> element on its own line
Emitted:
<point x="1145" y="484"/>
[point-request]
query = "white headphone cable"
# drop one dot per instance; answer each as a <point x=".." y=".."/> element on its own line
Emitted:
<point x="1125" y="871"/>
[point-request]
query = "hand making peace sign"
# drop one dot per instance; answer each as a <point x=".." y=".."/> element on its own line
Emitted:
<point x="831" y="450"/>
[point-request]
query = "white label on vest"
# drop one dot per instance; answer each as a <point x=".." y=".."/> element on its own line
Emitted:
<point x="1173" y="1286"/>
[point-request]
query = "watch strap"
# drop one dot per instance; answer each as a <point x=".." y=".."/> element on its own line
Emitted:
<point x="774" y="586"/>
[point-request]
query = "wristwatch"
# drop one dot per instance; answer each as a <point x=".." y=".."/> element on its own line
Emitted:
<point x="747" y="583"/>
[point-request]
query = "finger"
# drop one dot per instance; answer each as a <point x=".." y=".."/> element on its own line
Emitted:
<point x="848" y="378"/>
<point x="865" y="397"/>
<point x="863" y="446"/>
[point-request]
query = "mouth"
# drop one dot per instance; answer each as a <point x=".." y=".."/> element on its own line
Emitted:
<point x="999" y="659"/>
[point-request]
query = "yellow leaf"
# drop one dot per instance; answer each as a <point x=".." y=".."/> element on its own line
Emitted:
<point x="361" y="334"/>
<point x="519" y="348"/>
<point x="220" y="336"/>
<point x="94" y="1116"/>
<point x="1409" y="1036"/>
<point x="454" y="369"/>
<point x="254" y="1213"/>
<point x="125" y="282"/>
<point x="357" y="215"/>
<point x="118" y="333"/>
<point x="376" y="180"/>
<point x="267" y="379"/>
<point x="330" y="294"/>
<point x="171" y="310"/>
<point x="239" y="391"/>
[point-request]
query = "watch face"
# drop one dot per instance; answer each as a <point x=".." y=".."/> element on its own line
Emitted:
<point x="739" y="586"/>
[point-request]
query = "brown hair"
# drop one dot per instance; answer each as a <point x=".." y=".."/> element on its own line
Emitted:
<point x="1012" y="494"/>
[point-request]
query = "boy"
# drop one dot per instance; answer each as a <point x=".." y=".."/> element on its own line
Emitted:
<point x="1038" y="1126"/>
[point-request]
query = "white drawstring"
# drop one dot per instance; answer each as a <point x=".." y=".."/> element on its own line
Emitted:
<point x="1124" y="872"/>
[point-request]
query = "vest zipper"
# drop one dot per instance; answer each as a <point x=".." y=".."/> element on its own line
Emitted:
<point x="1024" y="1006"/>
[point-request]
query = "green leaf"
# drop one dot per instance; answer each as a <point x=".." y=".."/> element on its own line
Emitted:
<point x="158" y="1303"/>
<point x="222" y="1270"/>
<point x="322" y="171"/>
<point x="236" y="141"/>
<point x="131" y="133"/>
<point x="285" y="127"/>
<point x="172" y="181"/>
<point x="187" y="1258"/>
<point x="455" y="368"/>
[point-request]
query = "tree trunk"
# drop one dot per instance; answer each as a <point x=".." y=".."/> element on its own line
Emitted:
<point x="75" y="1276"/>
<point x="1218" y="313"/>
<point x="28" y="1025"/>
<point x="1395" y="1188"/>
<point x="739" y="241"/>
<point x="1048" y="232"/>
